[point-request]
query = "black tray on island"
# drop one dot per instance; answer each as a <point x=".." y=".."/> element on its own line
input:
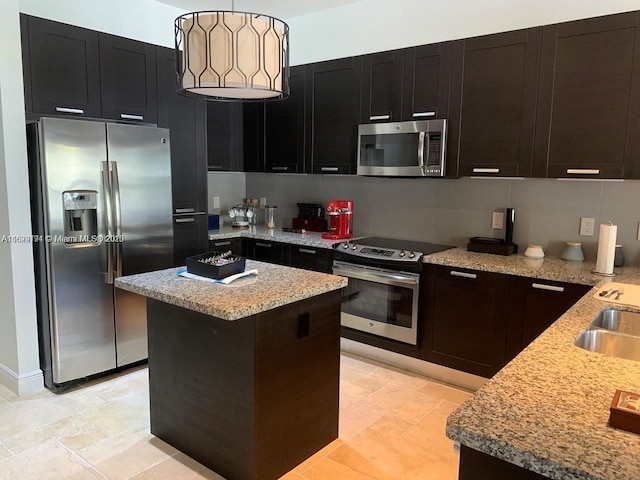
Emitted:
<point x="197" y="266"/>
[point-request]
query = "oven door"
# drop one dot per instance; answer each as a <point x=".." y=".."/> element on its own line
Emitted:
<point x="379" y="301"/>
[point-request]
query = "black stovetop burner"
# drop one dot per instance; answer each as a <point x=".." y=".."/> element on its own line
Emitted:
<point x="425" y="248"/>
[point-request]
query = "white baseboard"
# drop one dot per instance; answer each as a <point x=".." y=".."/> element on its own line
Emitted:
<point x="428" y="369"/>
<point x="21" y="384"/>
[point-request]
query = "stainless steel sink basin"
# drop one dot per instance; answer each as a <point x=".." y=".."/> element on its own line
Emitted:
<point x="610" y="343"/>
<point x="618" y="321"/>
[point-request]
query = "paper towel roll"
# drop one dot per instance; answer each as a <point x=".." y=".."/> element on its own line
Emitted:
<point x="606" y="248"/>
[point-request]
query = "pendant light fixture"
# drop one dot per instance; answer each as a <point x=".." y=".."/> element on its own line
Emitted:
<point x="232" y="56"/>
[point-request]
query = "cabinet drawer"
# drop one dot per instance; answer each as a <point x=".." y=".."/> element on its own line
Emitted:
<point x="454" y="274"/>
<point x="266" y="251"/>
<point x="224" y="244"/>
<point x="310" y="258"/>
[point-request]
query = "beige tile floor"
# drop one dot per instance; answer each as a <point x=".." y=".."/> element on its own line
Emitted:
<point x="392" y="426"/>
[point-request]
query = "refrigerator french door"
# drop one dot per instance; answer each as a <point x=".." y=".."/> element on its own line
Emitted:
<point x="101" y="204"/>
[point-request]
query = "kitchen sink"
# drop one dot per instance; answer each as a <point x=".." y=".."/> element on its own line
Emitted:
<point x="610" y="343"/>
<point x="613" y="332"/>
<point x="618" y="321"/>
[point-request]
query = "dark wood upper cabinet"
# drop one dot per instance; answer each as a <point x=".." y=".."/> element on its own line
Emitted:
<point x="184" y="117"/>
<point x="285" y="128"/>
<point x="26" y="70"/>
<point x="64" y="69"/>
<point x="333" y="100"/>
<point x="382" y="87"/>
<point x="589" y="99"/>
<point x="426" y="82"/>
<point x="224" y="136"/>
<point x="493" y="108"/>
<point x="253" y="137"/>
<point x="128" y="79"/>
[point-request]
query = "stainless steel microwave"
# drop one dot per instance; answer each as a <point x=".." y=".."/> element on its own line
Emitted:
<point x="402" y="149"/>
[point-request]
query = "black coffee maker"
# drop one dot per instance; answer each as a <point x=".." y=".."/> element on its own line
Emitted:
<point x="310" y="217"/>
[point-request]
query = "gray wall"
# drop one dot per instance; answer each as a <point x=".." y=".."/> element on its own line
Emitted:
<point x="450" y="211"/>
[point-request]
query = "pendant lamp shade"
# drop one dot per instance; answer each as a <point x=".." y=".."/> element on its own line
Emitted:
<point x="238" y="56"/>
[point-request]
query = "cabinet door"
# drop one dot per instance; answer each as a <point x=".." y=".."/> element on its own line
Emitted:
<point x="426" y="82"/>
<point x="285" y="128"/>
<point x="253" y="137"/>
<point x="534" y="305"/>
<point x="589" y="99"/>
<point x="466" y="319"/>
<point x="333" y="93"/>
<point x="224" y="136"/>
<point x="267" y="251"/>
<point x="382" y="87"/>
<point x="225" y="244"/>
<point x="317" y="259"/>
<point x="65" y="69"/>
<point x="180" y="115"/>
<point x="26" y="62"/>
<point x="128" y="79"/>
<point x="189" y="237"/>
<point x="494" y="88"/>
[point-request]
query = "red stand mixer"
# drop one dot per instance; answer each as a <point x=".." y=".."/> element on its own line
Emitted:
<point x="340" y="214"/>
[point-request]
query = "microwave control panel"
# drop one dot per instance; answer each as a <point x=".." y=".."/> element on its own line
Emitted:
<point x="435" y="159"/>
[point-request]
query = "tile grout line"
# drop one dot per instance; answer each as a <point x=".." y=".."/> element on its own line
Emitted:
<point x="82" y="460"/>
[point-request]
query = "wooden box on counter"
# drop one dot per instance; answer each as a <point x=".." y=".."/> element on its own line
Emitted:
<point x="625" y="411"/>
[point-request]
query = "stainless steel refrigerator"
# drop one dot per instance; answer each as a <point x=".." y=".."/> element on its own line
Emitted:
<point x="101" y="208"/>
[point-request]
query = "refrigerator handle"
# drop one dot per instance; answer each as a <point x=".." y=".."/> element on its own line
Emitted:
<point x="108" y="218"/>
<point x="115" y="182"/>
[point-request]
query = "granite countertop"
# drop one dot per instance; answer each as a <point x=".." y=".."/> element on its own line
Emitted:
<point x="273" y="286"/>
<point x="310" y="239"/>
<point x="548" y="409"/>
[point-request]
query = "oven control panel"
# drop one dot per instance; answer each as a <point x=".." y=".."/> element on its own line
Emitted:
<point x="381" y="253"/>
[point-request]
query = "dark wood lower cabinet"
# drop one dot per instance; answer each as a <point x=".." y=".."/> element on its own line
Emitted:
<point x="189" y="237"/>
<point x="225" y="244"/>
<point x="310" y="258"/>
<point x="475" y="465"/>
<point x="466" y="316"/>
<point x="250" y="398"/>
<point x="533" y="306"/>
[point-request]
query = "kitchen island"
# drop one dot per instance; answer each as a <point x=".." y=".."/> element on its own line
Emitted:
<point x="545" y="414"/>
<point x="244" y="377"/>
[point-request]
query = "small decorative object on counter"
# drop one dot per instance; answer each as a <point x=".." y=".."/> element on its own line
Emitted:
<point x="215" y="264"/>
<point x="618" y="257"/>
<point x="573" y="252"/>
<point x="534" y="251"/>
<point x="270" y="220"/>
<point x="625" y="411"/>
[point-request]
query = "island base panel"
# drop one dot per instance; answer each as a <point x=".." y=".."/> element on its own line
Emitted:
<point x="475" y="465"/>
<point x="250" y="398"/>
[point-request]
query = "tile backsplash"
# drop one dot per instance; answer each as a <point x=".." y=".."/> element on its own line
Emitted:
<point x="450" y="211"/>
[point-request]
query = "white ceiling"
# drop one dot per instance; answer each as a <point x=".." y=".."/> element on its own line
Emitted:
<point x="282" y="9"/>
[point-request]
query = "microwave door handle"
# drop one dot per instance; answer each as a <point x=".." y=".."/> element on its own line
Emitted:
<point x="421" y="146"/>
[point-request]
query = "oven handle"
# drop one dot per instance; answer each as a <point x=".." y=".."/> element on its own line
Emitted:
<point x="378" y="277"/>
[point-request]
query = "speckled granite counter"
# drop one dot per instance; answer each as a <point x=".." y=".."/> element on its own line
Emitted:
<point x="310" y="239"/>
<point x="548" y="409"/>
<point x="274" y="286"/>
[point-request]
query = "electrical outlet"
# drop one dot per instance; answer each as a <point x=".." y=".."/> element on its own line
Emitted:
<point x="216" y="202"/>
<point x="497" y="220"/>
<point x="586" y="226"/>
<point x="263" y="202"/>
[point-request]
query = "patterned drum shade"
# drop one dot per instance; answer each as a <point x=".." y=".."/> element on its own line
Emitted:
<point x="232" y="56"/>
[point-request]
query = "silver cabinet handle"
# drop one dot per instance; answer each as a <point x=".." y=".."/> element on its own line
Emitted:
<point x="266" y="245"/>
<point x="463" y="274"/>
<point x="424" y="114"/>
<point x="306" y="250"/>
<point x="279" y="169"/>
<point x="328" y="169"/>
<point x="542" y="286"/>
<point x="221" y="244"/>
<point x="79" y="111"/>
<point x="486" y="170"/>
<point x="185" y="220"/>
<point x="127" y="116"/>
<point x="216" y="167"/>
<point x="185" y="210"/>
<point x="379" y="117"/>
<point x="583" y="171"/>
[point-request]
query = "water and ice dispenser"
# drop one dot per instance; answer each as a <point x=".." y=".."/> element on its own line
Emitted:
<point x="80" y="217"/>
